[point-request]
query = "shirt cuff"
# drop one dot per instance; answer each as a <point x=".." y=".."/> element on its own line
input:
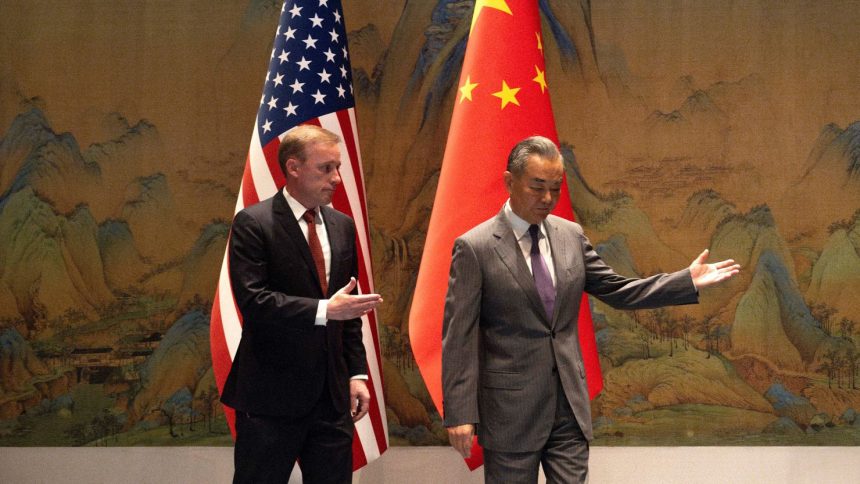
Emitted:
<point x="359" y="377"/>
<point x="322" y="309"/>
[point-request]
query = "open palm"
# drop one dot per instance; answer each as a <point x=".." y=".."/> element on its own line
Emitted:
<point x="705" y="274"/>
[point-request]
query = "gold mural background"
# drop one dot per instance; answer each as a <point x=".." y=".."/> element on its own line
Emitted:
<point x="730" y="125"/>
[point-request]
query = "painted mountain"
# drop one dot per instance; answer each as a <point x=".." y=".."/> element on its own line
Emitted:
<point x="123" y="133"/>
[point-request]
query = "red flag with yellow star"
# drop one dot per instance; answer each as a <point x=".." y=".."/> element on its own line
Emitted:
<point x="503" y="97"/>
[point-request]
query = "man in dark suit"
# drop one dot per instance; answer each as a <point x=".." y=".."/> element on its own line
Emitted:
<point x="298" y="379"/>
<point x="511" y="363"/>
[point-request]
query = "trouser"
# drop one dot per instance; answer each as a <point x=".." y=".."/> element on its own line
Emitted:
<point x="564" y="457"/>
<point x="267" y="447"/>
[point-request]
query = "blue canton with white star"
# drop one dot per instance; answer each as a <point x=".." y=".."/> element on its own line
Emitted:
<point x="309" y="72"/>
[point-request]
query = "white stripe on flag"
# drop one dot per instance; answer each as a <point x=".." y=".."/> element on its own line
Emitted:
<point x="263" y="181"/>
<point x="229" y="318"/>
<point x="240" y="203"/>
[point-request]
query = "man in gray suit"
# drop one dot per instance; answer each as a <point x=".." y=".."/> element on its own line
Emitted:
<point x="511" y="363"/>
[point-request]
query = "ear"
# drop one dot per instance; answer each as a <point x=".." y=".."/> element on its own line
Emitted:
<point x="292" y="167"/>
<point x="509" y="179"/>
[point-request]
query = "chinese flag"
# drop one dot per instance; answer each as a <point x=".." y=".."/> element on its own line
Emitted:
<point x="502" y="98"/>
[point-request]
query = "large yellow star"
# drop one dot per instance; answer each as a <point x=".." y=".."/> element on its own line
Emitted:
<point x="540" y="79"/>
<point x="467" y="88"/>
<point x="497" y="4"/>
<point x="507" y="95"/>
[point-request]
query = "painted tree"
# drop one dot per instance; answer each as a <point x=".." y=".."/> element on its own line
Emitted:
<point x="852" y="361"/>
<point x="822" y="313"/>
<point x="829" y="365"/>
<point x="687" y="326"/>
<point x="710" y="333"/>
<point x="846" y="327"/>
<point x="671" y="325"/>
<point x="645" y="338"/>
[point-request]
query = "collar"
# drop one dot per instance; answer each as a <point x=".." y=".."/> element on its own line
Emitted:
<point x="299" y="210"/>
<point x="520" y="226"/>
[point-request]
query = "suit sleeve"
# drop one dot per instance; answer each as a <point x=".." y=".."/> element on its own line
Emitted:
<point x="460" y="338"/>
<point x="622" y="292"/>
<point x="353" y="346"/>
<point x="262" y="308"/>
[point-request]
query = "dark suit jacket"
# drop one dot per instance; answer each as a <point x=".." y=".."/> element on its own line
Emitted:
<point x="502" y="355"/>
<point x="284" y="362"/>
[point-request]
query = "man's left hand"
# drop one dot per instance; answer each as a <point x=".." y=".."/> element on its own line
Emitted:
<point x="359" y="399"/>
<point x="704" y="274"/>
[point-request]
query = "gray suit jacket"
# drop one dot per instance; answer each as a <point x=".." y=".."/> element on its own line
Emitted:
<point x="502" y="355"/>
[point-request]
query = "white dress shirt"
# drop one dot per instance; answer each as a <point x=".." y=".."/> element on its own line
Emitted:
<point x="299" y="211"/>
<point x="521" y="232"/>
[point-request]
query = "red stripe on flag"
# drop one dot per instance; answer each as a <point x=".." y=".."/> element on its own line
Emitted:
<point x="249" y="191"/>
<point x="340" y="201"/>
<point x="359" y="458"/>
<point x="354" y="158"/>
<point x="218" y="345"/>
<point x="270" y="151"/>
<point x="314" y="122"/>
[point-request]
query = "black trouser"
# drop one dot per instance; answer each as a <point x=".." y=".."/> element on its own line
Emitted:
<point x="267" y="447"/>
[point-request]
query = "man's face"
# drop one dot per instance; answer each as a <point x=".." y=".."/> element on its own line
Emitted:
<point x="534" y="193"/>
<point x="313" y="181"/>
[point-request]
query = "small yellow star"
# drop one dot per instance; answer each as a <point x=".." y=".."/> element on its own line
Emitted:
<point x="467" y="88"/>
<point x="507" y="95"/>
<point x="497" y="4"/>
<point x="540" y="79"/>
<point x="540" y="44"/>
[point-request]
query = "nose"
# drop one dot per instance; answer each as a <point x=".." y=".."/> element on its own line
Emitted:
<point x="546" y="196"/>
<point x="336" y="179"/>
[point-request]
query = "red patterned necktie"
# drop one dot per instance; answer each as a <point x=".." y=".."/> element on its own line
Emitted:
<point x="316" y="249"/>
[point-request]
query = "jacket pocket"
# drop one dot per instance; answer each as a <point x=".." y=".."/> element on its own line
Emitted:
<point x="503" y="380"/>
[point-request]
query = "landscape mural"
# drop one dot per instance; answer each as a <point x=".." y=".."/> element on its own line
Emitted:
<point x="729" y="125"/>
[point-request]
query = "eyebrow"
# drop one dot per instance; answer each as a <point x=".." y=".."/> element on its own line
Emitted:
<point x="541" y="180"/>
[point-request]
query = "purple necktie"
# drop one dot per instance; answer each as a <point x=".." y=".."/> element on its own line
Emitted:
<point x="543" y="281"/>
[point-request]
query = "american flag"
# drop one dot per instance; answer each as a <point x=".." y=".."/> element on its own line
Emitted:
<point x="309" y="81"/>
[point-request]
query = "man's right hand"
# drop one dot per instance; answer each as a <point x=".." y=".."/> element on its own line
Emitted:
<point x="344" y="305"/>
<point x="461" y="438"/>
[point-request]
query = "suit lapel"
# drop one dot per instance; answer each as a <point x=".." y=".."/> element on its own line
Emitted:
<point x="560" y="248"/>
<point x="508" y="250"/>
<point x="333" y="230"/>
<point x="288" y="221"/>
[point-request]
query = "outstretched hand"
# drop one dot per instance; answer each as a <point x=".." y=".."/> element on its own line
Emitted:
<point x="344" y="305"/>
<point x="705" y="274"/>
